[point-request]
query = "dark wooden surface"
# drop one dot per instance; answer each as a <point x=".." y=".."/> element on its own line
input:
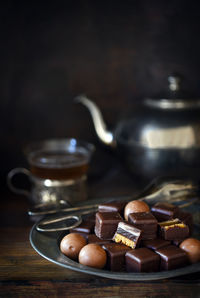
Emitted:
<point x="23" y="273"/>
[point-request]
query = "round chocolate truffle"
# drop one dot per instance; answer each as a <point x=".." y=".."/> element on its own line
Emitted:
<point x="192" y="247"/>
<point x="71" y="245"/>
<point x="93" y="255"/>
<point x="135" y="207"/>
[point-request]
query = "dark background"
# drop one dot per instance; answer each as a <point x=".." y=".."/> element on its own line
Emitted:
<point x="116" y="52"/>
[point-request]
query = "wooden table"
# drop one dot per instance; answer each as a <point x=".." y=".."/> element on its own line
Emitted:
<point x="23" y="273"/>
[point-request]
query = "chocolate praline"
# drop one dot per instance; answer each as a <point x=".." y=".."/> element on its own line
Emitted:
<point x="134" y="207"/>
<point x="93" y="255"/>
<point x="192" y="247"/>
<point x="71" y="245"/>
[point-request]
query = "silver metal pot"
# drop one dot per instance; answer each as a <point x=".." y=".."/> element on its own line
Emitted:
<point x="161" y="137"/>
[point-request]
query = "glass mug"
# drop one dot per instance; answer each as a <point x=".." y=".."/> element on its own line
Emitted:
<point x="58" y="171"/>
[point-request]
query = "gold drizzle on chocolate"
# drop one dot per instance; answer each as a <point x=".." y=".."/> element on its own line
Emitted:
<point x="171" y="224"/>
<point x="181" y="225"/>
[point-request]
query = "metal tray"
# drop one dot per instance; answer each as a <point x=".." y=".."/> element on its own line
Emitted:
<point x="47" y="245"/>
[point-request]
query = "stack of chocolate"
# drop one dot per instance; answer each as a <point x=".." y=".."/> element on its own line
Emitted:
<point x="147" y="242"/>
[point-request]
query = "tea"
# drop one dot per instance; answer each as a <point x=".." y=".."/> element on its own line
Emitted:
<point x="58" y="171"/>
<point x="58" y="165"/>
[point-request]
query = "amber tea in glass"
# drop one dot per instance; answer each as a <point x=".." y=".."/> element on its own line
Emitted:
<point x="57" y="171"/>
<point x="58" y="165"/>
<point x="66" y="159"/>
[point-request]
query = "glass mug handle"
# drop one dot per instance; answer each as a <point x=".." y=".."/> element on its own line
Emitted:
<point x="11" y="174"/>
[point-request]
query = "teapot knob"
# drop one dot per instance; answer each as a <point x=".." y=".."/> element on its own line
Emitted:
<point x="174" y="83"/>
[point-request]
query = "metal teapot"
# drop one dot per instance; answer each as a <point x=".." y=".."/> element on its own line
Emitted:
<point x="161" y="137"/>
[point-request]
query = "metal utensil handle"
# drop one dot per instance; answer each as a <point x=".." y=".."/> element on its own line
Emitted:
<point x="34" y="212"/>
<point x="10" y="176"/>
<point x="42" y="223"/>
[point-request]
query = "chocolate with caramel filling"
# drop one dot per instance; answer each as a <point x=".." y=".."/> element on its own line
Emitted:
<point x="173" y="230"/>
<point x="127" y="234"/>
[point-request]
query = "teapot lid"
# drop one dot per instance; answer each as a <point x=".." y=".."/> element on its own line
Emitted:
<point x="175" y="98"/>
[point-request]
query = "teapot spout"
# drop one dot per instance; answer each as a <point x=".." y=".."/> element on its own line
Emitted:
<point x="104" y="135"/>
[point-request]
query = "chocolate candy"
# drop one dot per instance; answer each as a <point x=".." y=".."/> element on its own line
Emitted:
<point x="142" y="260"/>
<point x="112" y="207"/>
<point x="115" y="256"/>
<point x="192" y="247"/>
<point x="92" y="255"/>
<point x="106" y="224"/>
<point x="172" y="257"/>
<point x="187" y="218"/>
<point x="164" y="211"/>
<point x="128" y="252"/>
<point x="155" y="243"/>
<point x="92" y="238"/>
<point x="146" y="222"/>
<point x="85" y="228"/>
<point x="173" y="230"/>
<point x="134" y="207"/>
<point x="71" y="245"/>
<point x="127" y="234"/>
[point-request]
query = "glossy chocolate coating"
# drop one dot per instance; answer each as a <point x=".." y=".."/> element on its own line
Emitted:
<point x="155" y="243"/>
<point x="93" y="255"/>
<point x="172" y="257"/>
<point x="146" y="222"/>
<point x="71" y="245"/>
<point x="86" y="227"/>
<point x="164" y="211"/>
<point x="106" y="224"/>
<point x="134" y="207"/>
<point x="112" y="207"/>
<point x="115" y="256"/>
<point x="187" y="218"/>
<point x="192" y="247"/>
<point x="177" y="230"/>
<point x="142" y="260"/>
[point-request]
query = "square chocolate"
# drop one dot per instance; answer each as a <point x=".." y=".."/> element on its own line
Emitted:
<point x="106" y="224"/>
<point x="112" y="207"/>
<point x="155" y="243"/>
<point x="172" y="257"/>
<point x="187" y="218"/>
<point x="91" y="217"/>
<point x="173" y="230"/>
<point x="127" y="234"/>
<point x="164" y="211"/>
<point x="142" y="260"/>
<point x="146" y="222"/>
<point x="85" y="228"/>
<point x="115" y="256"/>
